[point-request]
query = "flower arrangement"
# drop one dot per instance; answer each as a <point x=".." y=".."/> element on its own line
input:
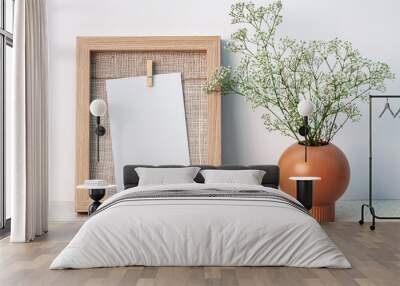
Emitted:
<point x="276" y="73"/>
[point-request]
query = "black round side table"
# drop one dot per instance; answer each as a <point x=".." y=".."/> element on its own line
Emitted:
<point x="304" y="186"/>
<point x="96" y="193"/>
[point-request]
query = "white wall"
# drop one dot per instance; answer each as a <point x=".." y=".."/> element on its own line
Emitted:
<point x="371" y="25"/>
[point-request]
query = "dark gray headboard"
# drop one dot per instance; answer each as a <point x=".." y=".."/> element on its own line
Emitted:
<point x="271" y="177"/>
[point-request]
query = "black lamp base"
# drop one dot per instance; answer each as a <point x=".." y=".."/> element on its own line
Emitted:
<point x="304" y="130"/>
<point x="100" y="130"/>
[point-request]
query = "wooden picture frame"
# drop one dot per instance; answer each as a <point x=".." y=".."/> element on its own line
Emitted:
<point x="87" y="45"/>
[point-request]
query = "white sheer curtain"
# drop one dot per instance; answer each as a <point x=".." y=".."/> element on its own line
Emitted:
<point x="28" y="116"/>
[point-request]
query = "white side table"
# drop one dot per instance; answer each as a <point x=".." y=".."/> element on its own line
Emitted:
<point x="304" y="186"/>
<point x="96" y="193"/>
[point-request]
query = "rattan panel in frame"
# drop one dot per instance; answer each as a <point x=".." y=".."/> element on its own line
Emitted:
<point x="112" y="65"/>
<point x="102" y="58"/>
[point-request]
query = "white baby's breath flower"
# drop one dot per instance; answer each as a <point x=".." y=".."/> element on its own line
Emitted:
<point x="275" y="73"/>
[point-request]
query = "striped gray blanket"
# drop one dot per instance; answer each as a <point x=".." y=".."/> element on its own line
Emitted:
<point x="205" y="194"/>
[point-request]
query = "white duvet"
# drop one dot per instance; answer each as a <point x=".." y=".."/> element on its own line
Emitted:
<point x="200" y="231"/>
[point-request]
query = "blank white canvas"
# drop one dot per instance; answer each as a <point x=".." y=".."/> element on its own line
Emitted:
<point x="148" y="124"/>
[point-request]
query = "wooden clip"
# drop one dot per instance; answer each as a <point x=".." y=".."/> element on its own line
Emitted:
<point x="149" y="73"/>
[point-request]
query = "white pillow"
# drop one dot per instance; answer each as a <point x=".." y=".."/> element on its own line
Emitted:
<point x="248" y="177"/>
<point x="165" y="176"/>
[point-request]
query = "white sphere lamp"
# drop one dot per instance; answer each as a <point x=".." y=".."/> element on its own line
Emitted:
<point x="305" y="107"/>
<point x="98" y="107"/>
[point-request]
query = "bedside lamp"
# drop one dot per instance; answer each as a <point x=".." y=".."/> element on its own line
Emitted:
<point x="305" y="108"/>
<point x="98" y="108"/>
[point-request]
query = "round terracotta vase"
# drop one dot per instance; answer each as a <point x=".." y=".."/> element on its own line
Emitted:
<point x="327" y="162"/>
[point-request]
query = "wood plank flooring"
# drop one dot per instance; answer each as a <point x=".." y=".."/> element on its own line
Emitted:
<point x="375" y="257"/>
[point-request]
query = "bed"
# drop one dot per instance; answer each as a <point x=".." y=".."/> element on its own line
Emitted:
<point x="198" y="224"/>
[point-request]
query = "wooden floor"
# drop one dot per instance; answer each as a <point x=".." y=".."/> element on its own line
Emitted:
<point x="375" y="257"/>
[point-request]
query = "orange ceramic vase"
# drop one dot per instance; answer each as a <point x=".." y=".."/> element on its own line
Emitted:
<point x="327" y="162"/>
